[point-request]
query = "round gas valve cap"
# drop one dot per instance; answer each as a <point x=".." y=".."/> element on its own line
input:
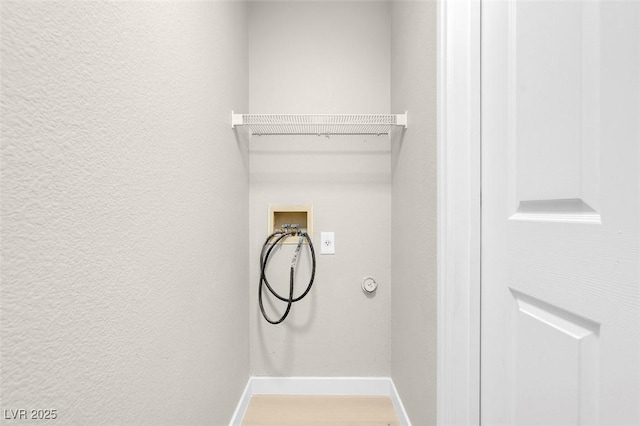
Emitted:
<point x="369" y="285"/>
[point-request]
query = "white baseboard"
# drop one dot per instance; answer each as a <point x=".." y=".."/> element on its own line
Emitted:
<point x="403" y="418"/>
<point x="320" y="386"/>
<point x="243" y="403"/>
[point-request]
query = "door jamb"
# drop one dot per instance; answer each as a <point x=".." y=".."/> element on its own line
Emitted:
<point x="459" y="211"/>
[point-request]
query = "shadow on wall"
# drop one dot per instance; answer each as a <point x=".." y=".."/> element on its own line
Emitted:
<point x="298" y="323"/>
<point x="396" y="148"/>
<point x="242" y="141"/>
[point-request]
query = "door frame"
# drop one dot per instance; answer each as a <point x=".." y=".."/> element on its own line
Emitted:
<point x="459" y="211"/>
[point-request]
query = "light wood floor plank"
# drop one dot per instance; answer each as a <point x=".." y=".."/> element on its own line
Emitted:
<point x="316" y="410"/>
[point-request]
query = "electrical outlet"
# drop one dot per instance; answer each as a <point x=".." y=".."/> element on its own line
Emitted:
<point x="327" y="243"/>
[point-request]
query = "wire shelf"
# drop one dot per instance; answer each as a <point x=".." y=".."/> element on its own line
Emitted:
<point x="319" y="124"/>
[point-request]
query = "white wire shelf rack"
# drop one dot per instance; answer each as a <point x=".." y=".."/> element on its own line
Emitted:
<point x="320" y="124"/>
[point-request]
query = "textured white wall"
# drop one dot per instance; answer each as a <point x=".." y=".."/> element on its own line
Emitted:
<point x="323" y="57"/>
<point x="124" y="295"/>
<point x="413" y="242"/>
<point x="124" y="279"/>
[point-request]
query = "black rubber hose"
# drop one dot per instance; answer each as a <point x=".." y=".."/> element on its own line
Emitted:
<point x="264" y="259"/>
<point x="289" y="302"/>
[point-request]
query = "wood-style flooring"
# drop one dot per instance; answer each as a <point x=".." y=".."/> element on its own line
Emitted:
<point x="317" y="410"/>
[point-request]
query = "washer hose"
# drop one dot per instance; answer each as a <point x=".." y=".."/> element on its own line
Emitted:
<point x="264" y="259"/>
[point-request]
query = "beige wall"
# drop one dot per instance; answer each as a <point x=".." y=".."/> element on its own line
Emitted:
<point x="315" y="57"/>
<point x="124" y="297"/>
<point x="413" y="243"/>
<point x="323" y="57"/>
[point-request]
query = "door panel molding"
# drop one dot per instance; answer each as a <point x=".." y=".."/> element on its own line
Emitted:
<point x="564" y="321"/>
<point x="569" y="210"/>
<point x="553" y="111"/>
<point x="571" y="355"/>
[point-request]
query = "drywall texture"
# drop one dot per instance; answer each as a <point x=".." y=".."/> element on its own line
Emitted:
<point x="413" y="242"/>
<point x="319" y="57"/>
<point x="323" y="57"/>
<point x="124" y="295"/>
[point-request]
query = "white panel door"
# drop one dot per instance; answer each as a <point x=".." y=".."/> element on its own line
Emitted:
<point x="560" y="332"/>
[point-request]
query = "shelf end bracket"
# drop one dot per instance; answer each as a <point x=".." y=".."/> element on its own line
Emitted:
<point x="236" y="120"/>
<point x="401" y="120"/>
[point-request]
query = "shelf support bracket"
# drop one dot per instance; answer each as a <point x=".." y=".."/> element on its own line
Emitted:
<point x="236" y="120"/>
<point x="401" y="119"/>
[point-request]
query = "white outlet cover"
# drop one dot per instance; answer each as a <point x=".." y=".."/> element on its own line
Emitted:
<point x="327" y="243"/>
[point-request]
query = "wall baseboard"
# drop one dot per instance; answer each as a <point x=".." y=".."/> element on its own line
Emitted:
<point x="243" y="403"/>
<point x="320" y="386"/>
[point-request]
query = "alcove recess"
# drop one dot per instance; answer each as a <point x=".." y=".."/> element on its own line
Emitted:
<point x="300" y="214"/>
